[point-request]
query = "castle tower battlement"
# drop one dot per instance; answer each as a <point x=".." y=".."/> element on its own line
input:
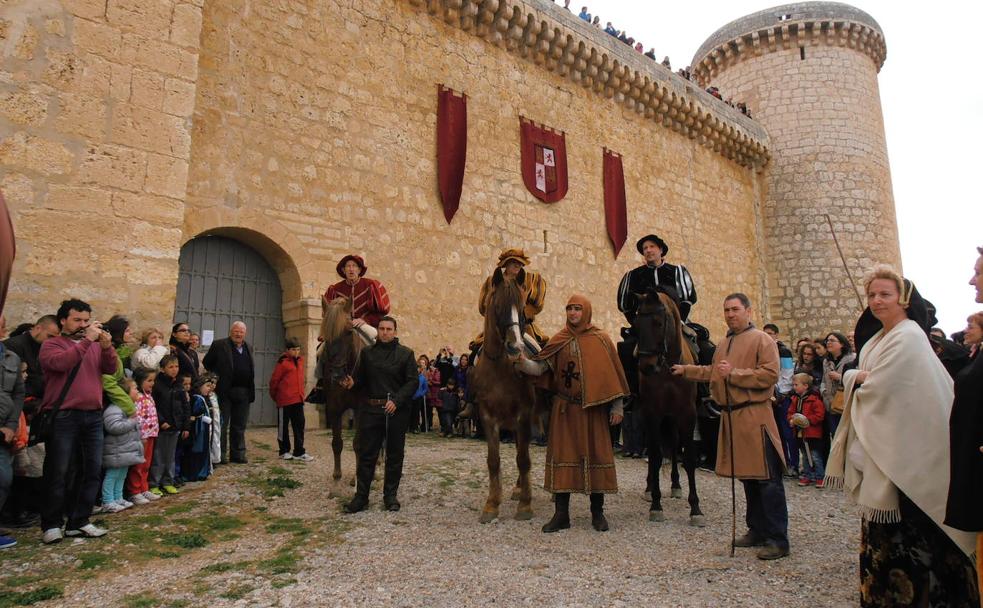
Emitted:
<point x="785" y="27"/>
<point x="808" y="72"/>
<point x="541" y="32"/>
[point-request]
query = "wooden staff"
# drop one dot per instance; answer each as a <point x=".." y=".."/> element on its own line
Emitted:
<point x="846" y="268"/>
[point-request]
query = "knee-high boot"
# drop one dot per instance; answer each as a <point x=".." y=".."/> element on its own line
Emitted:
<point x="561" y="517"/>
<point x="597" y="519"/>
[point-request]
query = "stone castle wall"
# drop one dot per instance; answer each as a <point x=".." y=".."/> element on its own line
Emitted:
<point x="315" y="125"/>
<point x="809" y="72"/>
<point x="96" y="100"/>
<point x="306" y="129"/>
<point x="823" y="115"/>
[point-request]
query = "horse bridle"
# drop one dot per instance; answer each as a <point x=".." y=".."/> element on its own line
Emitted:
<point x="661" y="356"/>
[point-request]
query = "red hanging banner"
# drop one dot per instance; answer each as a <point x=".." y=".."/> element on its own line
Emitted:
<point x="544" y="161"/>
<point x="452" y="147"/>
<point x="615" y="209"/>
<point x="7" y="250"/>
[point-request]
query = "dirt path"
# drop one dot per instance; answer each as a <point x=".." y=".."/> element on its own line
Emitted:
<point x="269" y="534"/>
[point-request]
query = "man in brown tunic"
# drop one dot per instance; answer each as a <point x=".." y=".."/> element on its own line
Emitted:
<point x="589" y="386"/>
<point x="742" y="379"/>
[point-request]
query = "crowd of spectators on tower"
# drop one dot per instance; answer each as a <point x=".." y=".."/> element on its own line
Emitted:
<point x="622" y="36"/>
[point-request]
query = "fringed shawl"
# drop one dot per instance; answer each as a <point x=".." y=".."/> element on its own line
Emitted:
<point x="894" y="434"/>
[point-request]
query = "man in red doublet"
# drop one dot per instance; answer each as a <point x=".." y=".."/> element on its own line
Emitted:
<point x="370" y="301"/>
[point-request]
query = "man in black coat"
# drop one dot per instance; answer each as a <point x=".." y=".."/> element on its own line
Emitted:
<point x="232" y="359"/>
<point x="27" y="346"/>
<point x="656" y="272"/>
<point x="387" y="373"/>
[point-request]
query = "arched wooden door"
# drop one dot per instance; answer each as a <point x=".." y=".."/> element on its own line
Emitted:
<point x="221" y="281"/>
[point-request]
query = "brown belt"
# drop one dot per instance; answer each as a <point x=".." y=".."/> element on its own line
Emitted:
<point x="378" y="401"/>
<point x="740" y="406"/>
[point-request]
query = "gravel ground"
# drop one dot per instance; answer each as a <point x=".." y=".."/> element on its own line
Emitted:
<point x="435" y="553"/>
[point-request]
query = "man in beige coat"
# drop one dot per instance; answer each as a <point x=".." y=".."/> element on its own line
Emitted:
<point x="742" y="379"/>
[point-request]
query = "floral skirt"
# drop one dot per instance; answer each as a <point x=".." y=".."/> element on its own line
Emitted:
<point x="913" y="563"/>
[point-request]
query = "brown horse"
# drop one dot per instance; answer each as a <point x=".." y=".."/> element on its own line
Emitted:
<point x="667" y="402"/>
<point x="339" y="351"/>
<point x="505" y="398"/>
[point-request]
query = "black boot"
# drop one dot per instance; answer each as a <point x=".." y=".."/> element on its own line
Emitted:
<point x="561" y="518"/>
<point x="358" y="503"/>
<point x="597" y="519"/>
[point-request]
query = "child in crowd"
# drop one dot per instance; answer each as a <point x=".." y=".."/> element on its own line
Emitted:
<point x="805" y="413"/>
<point x="122" y="446"/>
<point x="172" y="415"/>
<point x="450" y="402"/>
<point x="288" y="390"/>
<point x="179" y="477"/>
<point x="136" y="480"/>
<point x="196" y="462"/>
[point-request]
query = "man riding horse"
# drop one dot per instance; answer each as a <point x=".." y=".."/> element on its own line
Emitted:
<point x="369" y="298"/>
<point x="513" y="263"/>
<point x="656" y="272"/>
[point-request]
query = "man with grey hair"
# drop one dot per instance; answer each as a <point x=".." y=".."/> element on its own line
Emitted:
<point x="232" y="359"/>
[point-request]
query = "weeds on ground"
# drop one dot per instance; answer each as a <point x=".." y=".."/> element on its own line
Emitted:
<point x="27" y="598"/>
<point x="236" y="592"/>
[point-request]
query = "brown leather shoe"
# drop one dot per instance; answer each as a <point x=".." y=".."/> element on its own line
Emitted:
<point x="769" y="552"/>
<point x="748" y="540"/>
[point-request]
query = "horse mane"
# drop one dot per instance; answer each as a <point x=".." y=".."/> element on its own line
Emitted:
<point x="504" y="293"/>
<point x="335" y="322"/>
<point x="685" y="355"/>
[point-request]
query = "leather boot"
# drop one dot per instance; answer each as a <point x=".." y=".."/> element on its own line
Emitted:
<point x="561" y="517"/>
<point x="358" y="503"/>
<point x="597" y="519"/>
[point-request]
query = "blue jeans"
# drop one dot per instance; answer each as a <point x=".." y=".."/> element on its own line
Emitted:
<point x="817" y="471"/>
<point x="767" y="512"/>
<point x="112" y="485"/>
<point x="76" y="443"/>
<point x="786" y="432"/>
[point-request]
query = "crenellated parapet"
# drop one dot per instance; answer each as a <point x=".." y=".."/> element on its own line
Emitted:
<point x="549" y="36"/>
<point x="787" y="27"/>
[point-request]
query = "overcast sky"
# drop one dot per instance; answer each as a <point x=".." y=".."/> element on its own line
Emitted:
<point x="932" y="96"/>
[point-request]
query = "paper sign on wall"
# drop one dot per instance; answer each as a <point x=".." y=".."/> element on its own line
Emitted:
<point x="207" y="337"/>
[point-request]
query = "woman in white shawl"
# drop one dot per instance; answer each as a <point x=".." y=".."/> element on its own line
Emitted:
<point x="891" y="454"/>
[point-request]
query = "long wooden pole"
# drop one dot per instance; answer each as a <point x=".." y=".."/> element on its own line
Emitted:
<point x="836" y="241"/>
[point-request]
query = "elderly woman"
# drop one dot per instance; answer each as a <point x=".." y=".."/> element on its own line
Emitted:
<point x="964" y="510"/>
<point x="891" y="455"/>
<point x="838" y="356"/>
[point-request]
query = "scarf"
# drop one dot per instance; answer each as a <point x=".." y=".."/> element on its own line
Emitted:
<point x="894" y="433"/>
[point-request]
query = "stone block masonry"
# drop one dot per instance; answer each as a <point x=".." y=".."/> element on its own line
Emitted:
<point x="96" y="98"/>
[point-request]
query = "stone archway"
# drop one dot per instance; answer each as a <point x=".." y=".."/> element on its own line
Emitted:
<point x="292" y="267"/>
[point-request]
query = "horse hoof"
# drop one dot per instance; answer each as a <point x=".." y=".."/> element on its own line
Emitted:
<point x="697" y="521"/>
<point x="336" y="476"/>
<point x="656" y="516"/>
<point x="676" y="493"/>
<point x="351" y="482"/>
<point x="515" y="494"/>
<point x="647" y="497"/>
<point x="523" y="515"/>
<point x="488" y="516"/>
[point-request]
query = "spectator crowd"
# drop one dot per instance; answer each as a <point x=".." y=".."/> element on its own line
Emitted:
<point x="622" y="36"/>
<point x="98" y="420"/>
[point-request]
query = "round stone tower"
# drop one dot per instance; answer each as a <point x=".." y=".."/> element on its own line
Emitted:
<point x="808" y="74"/>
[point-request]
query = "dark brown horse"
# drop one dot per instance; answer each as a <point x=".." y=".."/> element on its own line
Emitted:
<point x="667" y="402"/>
<point x="505" y="398"/>
<point x="339" y="351"/>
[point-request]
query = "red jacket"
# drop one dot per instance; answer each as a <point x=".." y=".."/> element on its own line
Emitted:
<point x="811" y="406"/>
<point x="287" y="381"/>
